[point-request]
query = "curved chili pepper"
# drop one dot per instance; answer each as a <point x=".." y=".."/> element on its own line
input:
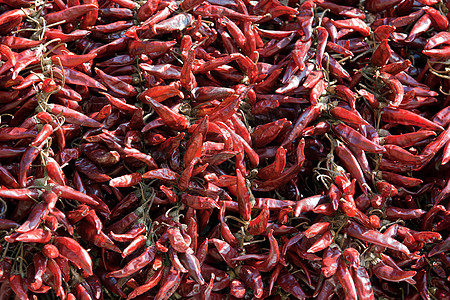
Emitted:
<point x="226" y="251"/>
<point x="119" y="87"/>
<point x="419" y="27"/>
<point x="362" y="282"/>
<point x="438" y="39"/>
<point x="352" y="165"/>
<point x="32" y="152"/>
<point x="70" y="193"/>
<point x="40" y="265"/>
<point x="38" y="213"/>
<point x="440" y="247"/>
<point x="169" y="285"/>
<point x="17" y="285"/>
<point x="124" y="181"/>
<point x="375" y="6"/>
<point x="150" y="283"/>
<point x="323" y="242"/>
<point x="388" y="273"/>
<point x="53" y="277"/>
<point x="290" y="285"/>
<point x="175" y="261"/>
<point x="309" y="115"/>
<point x="347" y="116"/>
<point x="198" y="202"/>
<point x="375" y="237"/>
<point x="346" y="280"/>
<point x="251" y="277"/>
<point x="130" y="235"/>
<point x="408" y="139"/>
<point x="265" y="134"/>
<point x="272" y="258"/>
<point x="178" y="241"/>
<point x="192" y="264"/>
<point x="69" y="14"/>
<point x="225" y="230"/>
<point x="258" y="225"/>
<point x="70" y="249"/>
<point x="35" y="236"/>
<point x="404" y="213"/>
<point x="397" y="179"/>
<point x="405" y="117"/>
<point x="74" y="117"/>
<point x="354" y="138"/>
<point x="89" y="232"/>
<point x="135" y="264"/>
<point x="330" y="261"/>
<point x="287" y="175"/>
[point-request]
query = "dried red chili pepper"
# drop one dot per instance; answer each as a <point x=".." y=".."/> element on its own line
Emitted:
<point x="135" y="264"/>
<point x="71" y="249"/>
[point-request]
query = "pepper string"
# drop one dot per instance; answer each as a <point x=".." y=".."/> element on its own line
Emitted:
<point x="224" y="149"/>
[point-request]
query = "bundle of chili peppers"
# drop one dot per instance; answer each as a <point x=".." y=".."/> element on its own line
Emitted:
<point x="224" y="149"/>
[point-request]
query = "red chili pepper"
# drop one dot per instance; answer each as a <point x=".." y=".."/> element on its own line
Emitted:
<point x="135" y="264"/>
<point x="225" y="230"/>
<point x="192" y="264"/>
<point x="352" y="165"/>
<point x="91" y="233"/>
<point x="73" y="116"/>
<point x="69" y="14"/>
<point x="379" y="6"/>
<point x="170" y="118"/>
<point x="375" y="237"/>
<point x="324" y="241"/>
<point x="70" y="249"/>
<point x="50" y="251"/>
<point x="440" y="247"/>
<point x="381" y="54"/>
<point x="272" y="258"/>
<point x="119" y="87"/>
<point x="169" y="284"/>
<point x="362" y="282"/>
<point x="70" y="193"/>
<point x="17" y="285"/>
<point x="53" y="277"/>
<point x="178" y="241"/>
<point x="331" y="257"/>
<point x="251" y="277"/>
<point x="243" y="197"/>
<point x="388" y="273"/>
<point x="124" y="181"/>
<point x="419" y="27"/>
<point x="38" y="213"/>
<point x="290" y="285"/>
<point x="225" y="251"/>
<point x="149" y="284"/>
<point x="32" y="152"/>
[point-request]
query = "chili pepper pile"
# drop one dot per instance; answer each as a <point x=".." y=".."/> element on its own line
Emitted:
<point x="224" y="149"/>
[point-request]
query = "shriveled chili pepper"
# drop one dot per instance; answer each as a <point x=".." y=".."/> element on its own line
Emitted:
<point x="375" y="237"/>
<point x="150" y="283"/>
<point x="169" y="285"/>
<point x="289" y="284"/>
<point x="17" y="285"/>
<point x="71" y="249"/>
<point x="135" y="264"/>
<point x="251" y="277"/>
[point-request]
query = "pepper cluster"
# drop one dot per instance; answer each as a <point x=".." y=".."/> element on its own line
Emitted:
<point x="224" y="149"/>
